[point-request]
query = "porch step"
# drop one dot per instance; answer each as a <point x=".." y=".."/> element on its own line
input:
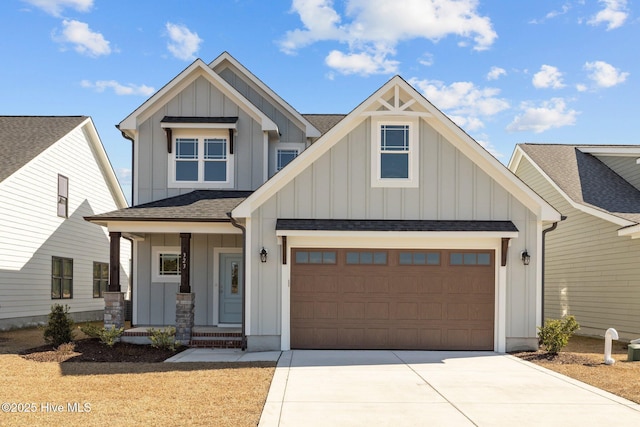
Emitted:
<point x="226" y="343"/>
<point x="215" y="339"/>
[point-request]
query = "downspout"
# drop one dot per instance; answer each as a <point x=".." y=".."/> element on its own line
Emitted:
<point x="131" y="266"/>
<point x="244" y="275"/>
<point x="133" y="153"/>
<point x="544" y="250"/>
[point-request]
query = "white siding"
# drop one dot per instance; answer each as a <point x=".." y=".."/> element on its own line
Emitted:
<point x="591" y="272"/>
<point x="31" y="232"/>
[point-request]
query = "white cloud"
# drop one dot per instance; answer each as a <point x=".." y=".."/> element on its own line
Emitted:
<point x="465" y="103"/>
<point x="605" y="75"/>
<point x="183" y="44"/>
<point x="426" y="60"/>
<point x="124" y="175"/>
<point x="361" y="63"/>
<point x="554" y="13"/>
<point x="549" y="114"/>
<point x="55" y="7"/>
<point x="614" y="14"/>
<point x="375" y="27"/>
<point x="548" y="77"/>
<point x="581" y="87"/>
<point x="85" y="40"/>
<point x="118" y="89"/>
<point x="495" y="73"/>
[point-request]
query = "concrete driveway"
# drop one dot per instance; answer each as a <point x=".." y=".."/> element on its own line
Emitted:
<point x="431" y="388"/>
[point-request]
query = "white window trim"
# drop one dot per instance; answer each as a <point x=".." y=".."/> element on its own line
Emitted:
<point x="414" y="153"/>
<point x="292" y="146"/>
<point x="201" y="135"/>
<point x="155" y="264"/>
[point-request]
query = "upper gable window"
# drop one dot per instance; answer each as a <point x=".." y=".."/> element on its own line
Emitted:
<point x="63" y="196"/>
<point x="284" y="157"/>
<point x="201" y="160"/>
<point x="394" y="153"/>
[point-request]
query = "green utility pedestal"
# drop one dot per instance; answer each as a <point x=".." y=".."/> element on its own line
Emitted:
<point x="633" y="352"/>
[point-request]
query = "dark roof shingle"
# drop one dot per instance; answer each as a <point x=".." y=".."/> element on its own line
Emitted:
<point x="392" y="225"/>
<point x="324" y="122"/>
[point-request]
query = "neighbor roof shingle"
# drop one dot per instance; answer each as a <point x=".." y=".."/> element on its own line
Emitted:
<point x="22" y="138"/>
<point x="585" y="179"/>
<point x="324" y="122"/>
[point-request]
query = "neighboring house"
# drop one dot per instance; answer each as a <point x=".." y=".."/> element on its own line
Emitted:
<point x="591" y="269"/>
<point x="386" y="228"/>
<point x="53" y="172"/>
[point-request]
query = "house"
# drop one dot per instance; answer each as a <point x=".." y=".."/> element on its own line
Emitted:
<point x="53" y="172"/>
<point x="385" y="228"/>
<point x="591" y="269"/>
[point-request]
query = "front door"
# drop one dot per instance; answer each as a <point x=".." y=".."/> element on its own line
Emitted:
<point x="230" y="288"/>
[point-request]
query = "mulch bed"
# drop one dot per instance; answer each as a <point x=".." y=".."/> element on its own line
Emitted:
<point x="556" y="359"/>
<point x="92" y="350"/>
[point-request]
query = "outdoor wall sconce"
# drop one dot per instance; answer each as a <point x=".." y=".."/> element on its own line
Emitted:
<point x="263" y="255"/>
<point x="526" y="258"/>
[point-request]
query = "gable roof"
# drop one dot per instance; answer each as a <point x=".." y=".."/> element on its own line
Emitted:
<point x="584" y="180"/>
<point x="22" y="138"/>
<point x="324" y="122"/>
<point x="187" y="76"/>
<point x="399" y="98"/>
<point x="310" y="130"/>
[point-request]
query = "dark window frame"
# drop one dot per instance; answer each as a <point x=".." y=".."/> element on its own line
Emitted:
<point x="100" y="284"/>
<point x="57" y="281"/>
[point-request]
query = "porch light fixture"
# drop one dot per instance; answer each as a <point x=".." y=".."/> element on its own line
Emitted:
<point x="526" y="258"/>
<point x="263" y="255"/>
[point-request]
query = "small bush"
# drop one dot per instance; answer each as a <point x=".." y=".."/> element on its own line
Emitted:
<point x="59" y="328"/>
<point x="66" y="348"/>
<point x="164" y="339"/>
<point x="555" y="333"/>
<point x="91" y="330"/>
<point x="110" y="336"/>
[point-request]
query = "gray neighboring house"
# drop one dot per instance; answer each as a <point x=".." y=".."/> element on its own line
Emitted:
<point x="388" y="227"/>
<point x="591" y="268"/>
<point x="53" y="172"/>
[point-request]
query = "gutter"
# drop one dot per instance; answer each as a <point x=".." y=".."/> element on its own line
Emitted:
<point x="544" y="250"/>
<point x="244" y="276"/>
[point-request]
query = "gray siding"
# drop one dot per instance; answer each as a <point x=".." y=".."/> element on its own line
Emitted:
<point x="156" y="302"/>
<point x="626" y="167"/>
<point x="200" y="98"/>
<point x="337" y="185"/>
<point x="591" y="272"/>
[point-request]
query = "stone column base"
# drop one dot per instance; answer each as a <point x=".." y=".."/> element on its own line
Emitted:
<point x="114" y="310"/>
<point x="185" y="307"/>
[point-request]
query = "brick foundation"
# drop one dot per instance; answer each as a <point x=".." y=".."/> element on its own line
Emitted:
<point x="114" y="309"/>
<point x="185" y="304"/>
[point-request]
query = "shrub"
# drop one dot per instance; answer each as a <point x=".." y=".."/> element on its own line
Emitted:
<point x="555" y="333"/>
<point x="91" y="330"/>
<point x="164" y="339"/>
<point x="59" y="328"/>
<point x="110" y="336"/>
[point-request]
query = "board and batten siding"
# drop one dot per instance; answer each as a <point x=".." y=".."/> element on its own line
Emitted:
<point x="591" y="272"/>
<point x="337" y="185"/>
<point x="200" y="98"/>
<point x="156" y="301"/>
<point x="31" y="232"/>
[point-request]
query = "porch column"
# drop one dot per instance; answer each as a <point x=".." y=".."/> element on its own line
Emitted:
<point x="185" y="300"/>
<point x="114" y="261"/>
<point x="185" y="262"/>
<point x="114" y="308"/>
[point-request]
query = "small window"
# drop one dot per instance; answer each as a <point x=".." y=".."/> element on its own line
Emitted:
<point x="100" y="278"/>
<point x="169" y="265"/>
<point x="63" y="196"/>
<point x="284" y="157"/>
<point x="165" y="264"/>
<point x="419" y="258"/>
<point x="394" y="151"/>
<point x="315" y="257"/>
<point x="470" y="258"/>
<point x="367" y="257"/>
<point x="61" y="278"/>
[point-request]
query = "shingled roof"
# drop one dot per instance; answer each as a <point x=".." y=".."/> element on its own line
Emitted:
<point x="392" y="225"/>
<point x="196" y="206"/>
<point x="22" y="138"/>
<point x="324" y="122"/>
<point x="585" y="179"/>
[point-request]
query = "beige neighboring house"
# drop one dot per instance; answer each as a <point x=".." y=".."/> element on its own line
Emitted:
<point x="387" y="228"/>
<point x="53" y="172"/>
<point x="591" y="269"/>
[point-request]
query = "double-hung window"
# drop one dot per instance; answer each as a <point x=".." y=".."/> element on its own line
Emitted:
<point x="394" y="153"/>
<point x="201" y="161"/>
<point x="61" y="278"/>
<point x="63" y="196"/>
<point x="100" y="278"/>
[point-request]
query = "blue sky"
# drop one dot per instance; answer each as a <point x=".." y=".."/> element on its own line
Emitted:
<point x="505" y="71"/>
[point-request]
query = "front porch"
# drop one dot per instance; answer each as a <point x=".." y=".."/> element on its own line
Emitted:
<point x="201" y="336"/>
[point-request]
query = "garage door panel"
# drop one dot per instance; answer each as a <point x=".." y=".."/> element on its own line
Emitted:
<point x="392" y="306"/>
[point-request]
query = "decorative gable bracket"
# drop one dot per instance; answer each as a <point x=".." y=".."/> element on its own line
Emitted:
<point x="168" y="123"/>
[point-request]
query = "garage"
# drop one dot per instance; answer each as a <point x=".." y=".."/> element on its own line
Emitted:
<point x="346" y="298"/>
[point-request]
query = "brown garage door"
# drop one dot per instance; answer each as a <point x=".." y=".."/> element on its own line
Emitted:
<point x="392" y="299"/>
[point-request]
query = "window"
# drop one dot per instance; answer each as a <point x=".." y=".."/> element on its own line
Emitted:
<point x="315" y="257"/>
<point x="61" y="278"/>
<point x="63" y="196"/>
<point x="470" y="258"/>
<point x="283" y="157"/>
<point x="419" y="258"/>
<point x="100" y="278"/>
<point x="166" y="264"/>
<point x="367" y="257"/>
<point x="201" y="161"/>
<point x="394" y="153"/>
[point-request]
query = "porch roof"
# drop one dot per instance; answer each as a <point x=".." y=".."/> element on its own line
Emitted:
<point x="196" y="206"/>
<point x="394" y="225"/>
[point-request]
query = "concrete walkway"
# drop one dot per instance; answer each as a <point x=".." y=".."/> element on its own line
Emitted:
<point x="411" y="388"/>
<point x="224" y="355"/>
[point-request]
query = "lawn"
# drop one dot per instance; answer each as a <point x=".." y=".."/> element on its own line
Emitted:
<point x="126" y="394"/>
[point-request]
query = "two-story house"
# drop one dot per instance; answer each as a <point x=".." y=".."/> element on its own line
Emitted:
<point x="386" y="228"/>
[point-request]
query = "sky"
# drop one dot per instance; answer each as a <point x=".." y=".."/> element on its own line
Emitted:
<point x="507" y="72"/>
